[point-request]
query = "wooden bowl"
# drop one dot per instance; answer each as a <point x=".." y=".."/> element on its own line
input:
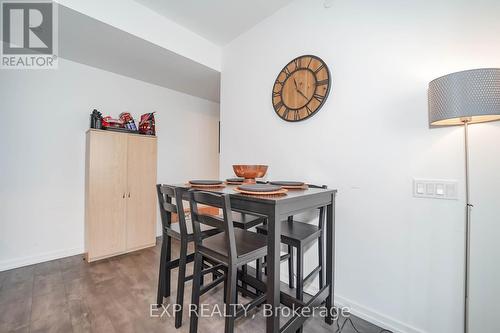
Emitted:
<point x="250" y="172"/>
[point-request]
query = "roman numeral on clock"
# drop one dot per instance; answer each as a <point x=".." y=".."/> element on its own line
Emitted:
<point x="321" y="83"/>
<point x="296" y="115"/>
<point x="319" y="98"/>
<point x="298" y="63"/>
<point x="285" y="113"/>
<point x="319" y="68"/>
<point x="278" y="105"/>
<point x="309" y="63"/>
<point x="308" y="110"/>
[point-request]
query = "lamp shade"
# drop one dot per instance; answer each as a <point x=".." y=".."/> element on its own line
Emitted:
<point x="472" y="96"/>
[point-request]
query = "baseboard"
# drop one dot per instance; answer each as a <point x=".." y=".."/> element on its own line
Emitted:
<point x="366" y="313"/>
<point x="94" y="259"/>
<point x="375" y="317"/>
<point x="36" y="259"/>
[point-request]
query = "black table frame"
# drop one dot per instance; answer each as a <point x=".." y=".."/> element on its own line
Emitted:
<point x="277" y="209"/>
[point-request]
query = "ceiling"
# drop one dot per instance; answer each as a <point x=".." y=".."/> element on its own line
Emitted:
<point x="91" y="42"/>
<point x="219" y="21"/>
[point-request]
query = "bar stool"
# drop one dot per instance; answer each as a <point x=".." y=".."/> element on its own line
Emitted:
<point x="298" y="235"/>
<point x="232" y="248"/>
<point x="246" y="221"/>
<point x="183" y="232"/>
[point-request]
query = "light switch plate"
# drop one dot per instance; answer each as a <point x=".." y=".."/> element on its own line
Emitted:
<point x="435" y="189"/>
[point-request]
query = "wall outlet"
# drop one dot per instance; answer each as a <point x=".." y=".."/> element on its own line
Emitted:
<point x="435" y="189"/>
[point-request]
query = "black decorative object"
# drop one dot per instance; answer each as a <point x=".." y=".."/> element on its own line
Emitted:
<point x="96" y="119"/>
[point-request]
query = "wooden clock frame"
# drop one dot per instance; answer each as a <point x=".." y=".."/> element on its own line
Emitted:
<point x="312" y="100"/>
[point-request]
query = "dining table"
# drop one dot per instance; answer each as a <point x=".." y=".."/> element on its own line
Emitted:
<point x="277" y="208"/>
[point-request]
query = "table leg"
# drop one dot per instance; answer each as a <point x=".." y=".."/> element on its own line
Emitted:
<point x="330" y="260"/>
<point x="273" y="265"/>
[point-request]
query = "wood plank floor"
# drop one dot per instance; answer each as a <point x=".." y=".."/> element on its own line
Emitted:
<point x="113" y="295"/>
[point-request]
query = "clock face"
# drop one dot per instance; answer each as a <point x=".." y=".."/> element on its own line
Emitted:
<point x="301" y="88"/>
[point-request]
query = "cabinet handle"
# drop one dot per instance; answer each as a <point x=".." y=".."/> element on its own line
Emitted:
<point x="129" y="194"/>
<point x="123" y="196"/>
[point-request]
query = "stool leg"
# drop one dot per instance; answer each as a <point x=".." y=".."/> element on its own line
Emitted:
<point x="300" y="277"/>
<point x="214" y="276"/>
<point x="300" y="273"/>
<point x="195" y="298"/>
<point x="168" y="258"/>
<point x="321" y="257"/>
<point x="263" y="260"/>
<point x="258" y="272"/>
<point x="226" y="284"/>
<point x="204" y="266"/>
<point x="232" y="278"/>
<point x="161" y="274"/>
<point x="244" y="270"/>
<point x="164" y="274"/>
<point x="180" y="283"/>
<point x="290" y="267"/>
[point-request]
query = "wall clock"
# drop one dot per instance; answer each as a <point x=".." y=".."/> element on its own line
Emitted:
<point x="301" y="88"/>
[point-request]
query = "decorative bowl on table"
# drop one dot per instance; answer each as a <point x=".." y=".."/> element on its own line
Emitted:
<point x="250" y="172"/>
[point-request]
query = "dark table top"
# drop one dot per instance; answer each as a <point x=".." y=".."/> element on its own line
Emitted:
<point x="291" y="195"/>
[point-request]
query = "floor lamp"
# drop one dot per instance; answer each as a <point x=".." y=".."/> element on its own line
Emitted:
<point x="465" y="98"/>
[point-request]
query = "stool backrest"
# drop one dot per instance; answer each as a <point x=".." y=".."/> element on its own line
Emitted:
<point x="321" y="221"/>
<point x="317" y="186"/>
<point x="321" y="209"/>
<point x="225" y="223"/>
<point x="167" y="194"/>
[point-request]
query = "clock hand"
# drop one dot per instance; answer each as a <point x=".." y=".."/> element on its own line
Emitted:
<point x="297" y="88"/>
<point x="300" y="92"/>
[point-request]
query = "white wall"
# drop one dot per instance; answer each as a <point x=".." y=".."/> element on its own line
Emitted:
<point x="45" y="114"/>
<point x="399" y="259"/>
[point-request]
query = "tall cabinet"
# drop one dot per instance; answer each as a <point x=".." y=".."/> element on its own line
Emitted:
<point x="120" y="193"/>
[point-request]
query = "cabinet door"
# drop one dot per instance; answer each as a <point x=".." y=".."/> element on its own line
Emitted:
<point x="106" y="188"/>
<point x="141" y="194"/>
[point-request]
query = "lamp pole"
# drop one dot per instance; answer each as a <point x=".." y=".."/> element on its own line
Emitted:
<point x="468" y="207"/>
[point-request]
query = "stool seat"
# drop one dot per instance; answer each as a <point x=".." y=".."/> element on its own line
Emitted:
<point x="294" y="232"/>
<point x="246" y="221"/>
<point x="247" y="244"/>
